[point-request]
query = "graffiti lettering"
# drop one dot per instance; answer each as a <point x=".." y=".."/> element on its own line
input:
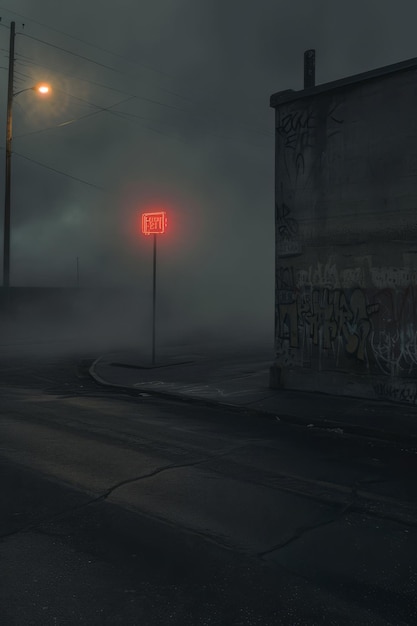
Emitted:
<point x="285" y="355"/>
<point x="295" y="131"/>
<point x="383" y="277"/>
<point x="394" y="339"/>
<point x="287" y="226"/>
<point x="287" y="231"/>
<point x="288" y="322"/>
<point x="289" y="248"/>
<point x="397" y="392"/>
<point x="287" y="303"/>
<point x="337" y="315"/>
<point x="325" y="317"/>
<point x="293" y="125"/>
<point x="332" y="111"/>
<point x="285" y="278"/>
<point x="352" y="277"/>
<point x="327" y="275"/>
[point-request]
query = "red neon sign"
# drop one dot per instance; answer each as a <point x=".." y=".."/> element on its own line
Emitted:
<point x="154" y="223"/>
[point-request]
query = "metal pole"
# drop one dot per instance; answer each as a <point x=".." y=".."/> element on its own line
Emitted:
<point x="6" y="246"/>
<point x="154" y="300"/>
<point x="78" y="273"/>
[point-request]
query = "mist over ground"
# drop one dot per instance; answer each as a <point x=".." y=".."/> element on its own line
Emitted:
<point x="70" y="321"/>
<point x="163" y="106"/>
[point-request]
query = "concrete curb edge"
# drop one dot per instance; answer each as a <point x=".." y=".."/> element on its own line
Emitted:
<point x="349" y="429"/>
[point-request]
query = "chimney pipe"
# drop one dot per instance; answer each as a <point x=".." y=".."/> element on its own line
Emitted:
<point x="309" y="69"/>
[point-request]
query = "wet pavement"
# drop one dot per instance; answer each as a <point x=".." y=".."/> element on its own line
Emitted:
<point x="122" y="507"/>
<point x="240" y="380"/>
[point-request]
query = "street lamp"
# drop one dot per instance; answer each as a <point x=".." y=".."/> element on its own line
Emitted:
<point x="43" y="89"/>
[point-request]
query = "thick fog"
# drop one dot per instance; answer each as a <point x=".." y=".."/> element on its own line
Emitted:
<point x="164" y="106"/>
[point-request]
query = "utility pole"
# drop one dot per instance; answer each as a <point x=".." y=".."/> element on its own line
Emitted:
<point x="6" y="247"/>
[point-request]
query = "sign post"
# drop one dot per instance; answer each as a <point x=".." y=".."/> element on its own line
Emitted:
<point x="154" y="224"/>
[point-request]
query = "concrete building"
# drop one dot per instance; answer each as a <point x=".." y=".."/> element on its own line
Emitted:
<point x="346" y="236"/>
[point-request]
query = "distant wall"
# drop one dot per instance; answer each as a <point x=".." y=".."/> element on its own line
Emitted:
<point x="346" y="239"/>
<point x="112" y="315"/>
<point x="53" y="302"/>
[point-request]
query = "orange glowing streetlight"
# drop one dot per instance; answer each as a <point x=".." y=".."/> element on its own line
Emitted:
<point x="43" y="89"/>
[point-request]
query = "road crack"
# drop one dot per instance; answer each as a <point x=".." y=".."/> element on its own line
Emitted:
<point x="108" y="492"/>
<point x="301" y="531"/>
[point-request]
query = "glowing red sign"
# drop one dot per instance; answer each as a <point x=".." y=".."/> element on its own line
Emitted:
<point x="154" y="223"/>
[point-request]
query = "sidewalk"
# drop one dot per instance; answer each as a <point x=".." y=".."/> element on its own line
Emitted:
<point x="241" y="381"/>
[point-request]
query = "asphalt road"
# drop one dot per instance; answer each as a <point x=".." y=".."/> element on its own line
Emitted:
<point x="122" y="509"/>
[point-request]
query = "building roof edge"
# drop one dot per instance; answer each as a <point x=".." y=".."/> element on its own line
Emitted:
<point x="289" y="95"/>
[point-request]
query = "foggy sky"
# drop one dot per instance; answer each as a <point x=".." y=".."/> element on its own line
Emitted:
<point x="196" y="137"/>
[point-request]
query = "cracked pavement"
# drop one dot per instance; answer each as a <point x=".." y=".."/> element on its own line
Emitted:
<point x="120" y="509"/>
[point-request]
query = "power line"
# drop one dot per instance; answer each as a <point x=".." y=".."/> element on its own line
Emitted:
<point x="29" y="61"/>
<point x="120" y="114"/>
<point x="187" y="99"/>
<point x="176" y="94"/>
<point x="131" y="117"/>
<point x="113" y="69"/>
<point x="124" y="115"/>
<point x="83" y="100"/>
<point x="87" y="58"/>
<point x="79" y="180"/>
<point x="72" y="121"/>
<point x="87" y="43"/>
<point x="152" y="101"/>
<point x="80" y="56"/>
<point x="25" y="60"/>
<point x="101" y="109"/>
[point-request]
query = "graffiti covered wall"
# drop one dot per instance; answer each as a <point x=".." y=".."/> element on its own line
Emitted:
<point x="346" y="236"/>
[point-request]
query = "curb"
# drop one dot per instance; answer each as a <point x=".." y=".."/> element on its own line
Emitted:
<point x="337" y="427"/>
